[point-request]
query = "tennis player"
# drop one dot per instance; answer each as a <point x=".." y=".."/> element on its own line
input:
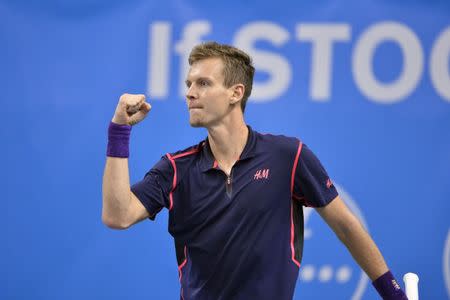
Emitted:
<point x="235" y="199"/>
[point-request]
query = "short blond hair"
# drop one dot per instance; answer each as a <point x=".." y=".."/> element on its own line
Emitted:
<point x="238" y="66"/>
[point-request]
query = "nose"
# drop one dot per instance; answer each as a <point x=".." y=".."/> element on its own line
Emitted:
<point x="190" y="93"/>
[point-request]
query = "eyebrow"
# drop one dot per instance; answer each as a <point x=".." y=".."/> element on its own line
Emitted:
<point x="187" y="81"/>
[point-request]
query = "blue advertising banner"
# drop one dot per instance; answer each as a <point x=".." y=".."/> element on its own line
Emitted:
<point x="365" y="84"/>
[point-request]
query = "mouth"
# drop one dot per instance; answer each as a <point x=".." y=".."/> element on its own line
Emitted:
<point x="194" y="107"/>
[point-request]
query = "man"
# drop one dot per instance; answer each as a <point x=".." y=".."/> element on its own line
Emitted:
<point x="235" y="199"/>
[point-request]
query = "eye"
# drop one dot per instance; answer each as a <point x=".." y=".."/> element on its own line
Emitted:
<point x="203" y="83"/>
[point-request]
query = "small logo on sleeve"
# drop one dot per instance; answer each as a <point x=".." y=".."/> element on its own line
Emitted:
<point x="261" y="174"/>
<point x="329" y="183"/>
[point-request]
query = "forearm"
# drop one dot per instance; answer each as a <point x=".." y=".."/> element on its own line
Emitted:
<point x="121" y="208"/>
<point x="116" y="181"/>
<point x="116" y="192"/>
<point x="363" y="249"/>
<point x="366" y="253"/>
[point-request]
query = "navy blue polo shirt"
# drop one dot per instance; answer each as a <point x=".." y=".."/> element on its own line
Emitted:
<point x="238" y="236"/>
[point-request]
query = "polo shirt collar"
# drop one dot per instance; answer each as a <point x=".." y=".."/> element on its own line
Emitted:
<point x="208" y="161"/>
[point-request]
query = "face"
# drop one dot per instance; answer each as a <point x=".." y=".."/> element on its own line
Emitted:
<point x="207" y="98"/>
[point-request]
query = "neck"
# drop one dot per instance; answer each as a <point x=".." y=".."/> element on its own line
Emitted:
<point x="227" y="143"/>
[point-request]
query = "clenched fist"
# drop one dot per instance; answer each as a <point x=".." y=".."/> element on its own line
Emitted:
<point x="131" y="109"/>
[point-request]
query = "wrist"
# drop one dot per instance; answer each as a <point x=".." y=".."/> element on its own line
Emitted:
<point x="119" y="120"/>
<point x="388" y="287"/>
<point x="118" y="140"/>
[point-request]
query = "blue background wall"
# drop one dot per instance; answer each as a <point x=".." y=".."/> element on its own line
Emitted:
<point x="374" y="106"/>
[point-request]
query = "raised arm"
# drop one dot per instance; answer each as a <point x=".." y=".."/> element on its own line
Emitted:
<point x="121" y="208"/>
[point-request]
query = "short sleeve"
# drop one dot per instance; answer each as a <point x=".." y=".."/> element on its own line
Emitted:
<point x="153" y="190"/>
<point x="312" y="185"/>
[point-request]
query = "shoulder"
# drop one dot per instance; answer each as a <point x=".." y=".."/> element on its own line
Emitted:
<point x="173" y="165"/>
<point x="168" y="161"/>
<point x="278" y="142"/>
<point x="188" y="153"/>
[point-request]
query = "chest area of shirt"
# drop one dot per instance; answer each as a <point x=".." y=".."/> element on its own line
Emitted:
<point x="257" y="184"/>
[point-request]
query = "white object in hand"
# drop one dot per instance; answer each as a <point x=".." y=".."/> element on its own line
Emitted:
<point x="411" y="286"/>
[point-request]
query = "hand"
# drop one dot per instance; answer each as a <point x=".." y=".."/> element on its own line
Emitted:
<point x="131" y="109"/>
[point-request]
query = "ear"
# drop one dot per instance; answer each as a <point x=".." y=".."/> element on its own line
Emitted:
<point x="237" y="92"/>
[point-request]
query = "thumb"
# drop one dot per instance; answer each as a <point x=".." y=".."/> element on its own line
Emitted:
<point x="140" y="114"/>
<point x="146" y="107"/>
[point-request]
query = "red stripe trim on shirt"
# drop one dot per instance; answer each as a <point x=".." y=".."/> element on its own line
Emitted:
<point x="180" y="267"/>
<point x="294" y="168"/>
<point x="174" y="165"/>
<point x="180" y="271"/>
<point x="174" y="182"/>
<point x="186" y="153"/>
<point x="292" y="238"/>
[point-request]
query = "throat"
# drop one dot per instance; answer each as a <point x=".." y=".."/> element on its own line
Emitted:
<point x="227" y="145"/>
<point x="226" y="167"/>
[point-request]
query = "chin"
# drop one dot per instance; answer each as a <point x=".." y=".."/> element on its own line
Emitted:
<point x="196" y="123"/>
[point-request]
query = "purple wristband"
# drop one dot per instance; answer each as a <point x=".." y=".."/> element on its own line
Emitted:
<point x="388" y="288"/>
<point x="118" y="140"/>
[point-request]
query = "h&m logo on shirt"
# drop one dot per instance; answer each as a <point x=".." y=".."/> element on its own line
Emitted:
<point x="261" y="174"/>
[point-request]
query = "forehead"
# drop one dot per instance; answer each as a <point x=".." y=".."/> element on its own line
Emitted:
<point x="208" y="67"/>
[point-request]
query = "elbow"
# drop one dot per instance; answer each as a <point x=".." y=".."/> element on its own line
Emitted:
<point x="114" y="223"/>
